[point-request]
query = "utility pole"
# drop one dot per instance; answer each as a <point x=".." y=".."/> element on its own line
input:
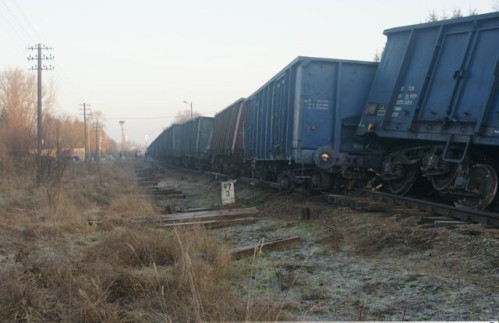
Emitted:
<point x="85" y="110"/>
<point x="97" y="146"/>
<point x="123" y="139"/>
<point x="189" y="103"/>
<point x="39" y="67"/>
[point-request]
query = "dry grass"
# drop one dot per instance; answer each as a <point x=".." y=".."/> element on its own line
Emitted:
<point x="127" y="206"/>
<point x="397" y="238"/>
<point x="133" y="247"/>
<point x="56" y="267"/>
<point x="133" y="274"/>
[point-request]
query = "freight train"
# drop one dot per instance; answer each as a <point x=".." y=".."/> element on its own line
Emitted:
<point x="425" y="116"/>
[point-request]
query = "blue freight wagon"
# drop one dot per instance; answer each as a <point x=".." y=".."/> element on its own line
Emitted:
<point x="167" y="146"/>
<point x="436" y="92"/>
<point x="306" y="117"/>
<point x="161" y="143"/>
<point x="226" y="147"/>
<point x="153" y="150"/>
<point x="196" y="136"/>
<point x="173" y="144"/>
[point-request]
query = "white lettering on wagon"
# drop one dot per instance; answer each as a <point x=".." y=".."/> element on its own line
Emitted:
<point x="316" y="104"/>
<point x="407" y="97"/>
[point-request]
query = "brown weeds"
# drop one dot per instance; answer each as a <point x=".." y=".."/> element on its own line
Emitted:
<point x="133" y="247"/>
<point x="55" y="267"/>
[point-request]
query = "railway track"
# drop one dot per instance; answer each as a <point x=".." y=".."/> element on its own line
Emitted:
<point x="368" y="200"/>
<point x="438" y="213"/>
<point x="429" y="211"/>
<point x="368" y="248"/>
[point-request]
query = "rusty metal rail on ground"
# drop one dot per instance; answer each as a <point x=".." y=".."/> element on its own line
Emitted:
<point x="414" y="206"/>
<point x="388" y="203"/>
<point x="258" y="182"/>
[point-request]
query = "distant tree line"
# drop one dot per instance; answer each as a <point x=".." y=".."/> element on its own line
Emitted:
<point x="18" y="119"/>
<point x="456" y="13"/>
<point x="185" y="115"/>
<point x="433" y="16"/>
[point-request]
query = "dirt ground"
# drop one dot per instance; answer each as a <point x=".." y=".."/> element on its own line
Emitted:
<point x="349" y="265"/>
<point x="83" y="259"/>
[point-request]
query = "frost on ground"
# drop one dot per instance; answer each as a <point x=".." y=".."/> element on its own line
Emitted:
<point x="351" y="265"/>
<point x="84" y="260"/>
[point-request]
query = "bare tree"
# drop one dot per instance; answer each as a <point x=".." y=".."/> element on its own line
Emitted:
<point x="17" y="95"/>
<point x="473" y="12"/>
<point x="72" y="133"/>
<point x="183" y="116"/>
<point x="18" y="109"/>
<point x="377" y="55"/>
<point x="432" y="17"/>
<point x="456" y="13"/>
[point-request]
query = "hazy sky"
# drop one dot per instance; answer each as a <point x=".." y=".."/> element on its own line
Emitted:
<point x="138" y="61"/>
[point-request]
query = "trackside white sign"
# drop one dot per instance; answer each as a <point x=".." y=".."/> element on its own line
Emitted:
<point x="228" y="196"/>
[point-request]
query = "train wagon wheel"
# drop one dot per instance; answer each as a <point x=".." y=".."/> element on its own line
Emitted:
<point x="483" y="185"/>
<point x="403" y="185"/>
<point x="441" y="182"/>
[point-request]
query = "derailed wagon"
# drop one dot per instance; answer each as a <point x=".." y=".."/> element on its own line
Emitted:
<point x="434" y="106"/>
<point x="300" y="126"/>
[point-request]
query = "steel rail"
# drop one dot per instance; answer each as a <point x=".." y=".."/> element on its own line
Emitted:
<point x="490" y="219"/>
<point x="469" y="215"/>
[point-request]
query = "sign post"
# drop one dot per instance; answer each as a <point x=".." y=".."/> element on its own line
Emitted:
<point x="228" y="196"/>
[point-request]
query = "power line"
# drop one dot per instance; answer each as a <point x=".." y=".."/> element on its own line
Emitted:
<point x="12" y="30"/>
<point x="140" y="118"/>
<point x="28" y="22"/>
<point x="19" y="23"/>
<point x="19" y="31"/>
